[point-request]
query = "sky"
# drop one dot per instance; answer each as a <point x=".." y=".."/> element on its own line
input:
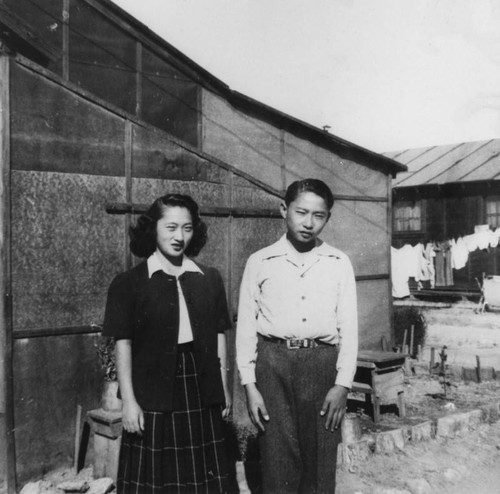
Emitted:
<point x="384" y="74"/>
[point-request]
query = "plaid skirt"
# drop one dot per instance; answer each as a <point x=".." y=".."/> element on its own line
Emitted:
<point x="182" y="451"/>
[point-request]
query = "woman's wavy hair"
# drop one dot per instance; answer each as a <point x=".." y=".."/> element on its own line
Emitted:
<point x="143" y="234"/>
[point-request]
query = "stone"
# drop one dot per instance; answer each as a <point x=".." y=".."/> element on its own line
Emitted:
<point x="422" y="432"/>
<point x="490" y="413"/>
<point x="74" y="486"/>
<point x="356" y="452"/>
<point x="445" y="426"/>
<point x="387" y="442"/>
<point x="461" y="422"/>
<point x="101" y="486"/>
<point x="390" y="490"/>
<point x="451" y="475"/>
<point x="351" y="428"/>
<point x="475" y="419"/>
<point x="419" y="486"/>
<point x="32" y="488"/>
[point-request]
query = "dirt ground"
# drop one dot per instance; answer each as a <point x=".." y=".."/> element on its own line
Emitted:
<point x="468" y="463"/>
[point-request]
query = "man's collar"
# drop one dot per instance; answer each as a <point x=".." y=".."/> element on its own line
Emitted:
<point x="283" y="248"/>
<point x="156" y="262"/>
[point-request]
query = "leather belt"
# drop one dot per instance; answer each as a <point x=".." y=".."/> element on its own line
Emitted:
<point x="295" y="343"/>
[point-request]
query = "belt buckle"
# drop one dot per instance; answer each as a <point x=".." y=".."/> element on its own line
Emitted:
<point x="293" y="344"/>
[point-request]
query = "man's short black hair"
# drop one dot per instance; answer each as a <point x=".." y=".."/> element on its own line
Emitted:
<point x="318" y="187"/>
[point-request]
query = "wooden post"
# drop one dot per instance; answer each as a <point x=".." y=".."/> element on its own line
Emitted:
<point x="78" y="423"/>
<point x="384" y="344"/>
<point x="478" y="368"/>
<point x="411" y="340"/>
<point x="433" y="357"/>
<point x="403" y="346"/>
<point x="6" y="343"/>
<point x="419" y="352"/>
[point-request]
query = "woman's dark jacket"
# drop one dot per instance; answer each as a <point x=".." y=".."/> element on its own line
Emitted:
<point x="146" y="311"/>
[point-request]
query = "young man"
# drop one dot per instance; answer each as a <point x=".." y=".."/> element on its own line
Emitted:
<point x="296" y="345"/>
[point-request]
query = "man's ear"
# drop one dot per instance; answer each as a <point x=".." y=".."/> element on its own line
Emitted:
<point x="283" y="210"/>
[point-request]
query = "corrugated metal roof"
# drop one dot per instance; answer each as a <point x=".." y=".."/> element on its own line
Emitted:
<point x="465" y="162"/>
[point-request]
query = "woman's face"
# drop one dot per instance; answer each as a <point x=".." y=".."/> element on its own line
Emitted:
<point x="174" y="231"/>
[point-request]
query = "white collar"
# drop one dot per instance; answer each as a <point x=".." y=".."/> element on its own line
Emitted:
<point x="156" y="262"/>
<point x="283" y="248"/>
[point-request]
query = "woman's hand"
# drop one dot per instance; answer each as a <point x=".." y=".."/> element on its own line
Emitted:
<point x="132" y="417"/>
<point x="228" y="398"/>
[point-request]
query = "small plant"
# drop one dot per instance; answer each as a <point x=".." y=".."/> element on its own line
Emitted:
<point x="105" y="347"/>
<point x="443" y="370"/>
<point x="404" y="319"/>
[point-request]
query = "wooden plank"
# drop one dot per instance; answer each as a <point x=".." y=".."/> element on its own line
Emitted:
<point x="388" y="386"/>
<point x="65" y="40"/>
<point x="6" y="356"/>
<point x="23" y="36"/>
<point x="380" y="358"/>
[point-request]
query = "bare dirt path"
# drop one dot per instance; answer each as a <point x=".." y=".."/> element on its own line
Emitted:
<point x="468" y="464"/>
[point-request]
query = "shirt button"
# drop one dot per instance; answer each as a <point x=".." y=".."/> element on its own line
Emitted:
<point x="303" y="297"/>
<point x="304" y="319"/>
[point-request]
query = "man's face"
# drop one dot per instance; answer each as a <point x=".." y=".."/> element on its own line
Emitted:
<point x="305" y="217"/>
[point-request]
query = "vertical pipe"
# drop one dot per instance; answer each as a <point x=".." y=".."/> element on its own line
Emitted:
<point x="65" y="40"/>
<point x="7" y="439"/>
<point x="138" y="79"/>
<point x="390" y="308"/>
<point x="282" y="159"/>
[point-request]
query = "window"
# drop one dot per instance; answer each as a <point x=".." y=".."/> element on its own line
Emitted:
<point x="407" y="216"/>
<point x="493" y="211"/>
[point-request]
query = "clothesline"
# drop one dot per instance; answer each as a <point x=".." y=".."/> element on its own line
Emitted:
<point x="435" y="261"/>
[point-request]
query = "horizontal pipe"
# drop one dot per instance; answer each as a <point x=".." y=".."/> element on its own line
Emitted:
<point x="371" y="277"/>
<point x="125" y="208"/>
<point x="60" y="331"/>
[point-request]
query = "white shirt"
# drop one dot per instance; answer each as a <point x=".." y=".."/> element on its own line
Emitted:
<point x="156" y="262"/>
<point x="284" y="296"/>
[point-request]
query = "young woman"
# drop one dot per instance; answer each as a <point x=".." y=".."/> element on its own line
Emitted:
<point x="168" y="316"/>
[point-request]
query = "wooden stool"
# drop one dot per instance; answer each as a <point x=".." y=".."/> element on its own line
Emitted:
<point x="379" y="376"/>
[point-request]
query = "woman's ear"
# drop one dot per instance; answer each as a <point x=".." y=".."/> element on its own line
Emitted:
<point x="283" y="210"/>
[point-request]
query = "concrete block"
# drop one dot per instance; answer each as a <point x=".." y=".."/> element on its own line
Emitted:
<point x="475" y="419"/>
<point x="356" y="452"/>
<point x="424" y="431"/>
<point x="445" y="426"/>
<point x="419" y="486"/>
<point x="461" y="422"/>
<point x="387" y="442"/>
<point x="491" y="412"/>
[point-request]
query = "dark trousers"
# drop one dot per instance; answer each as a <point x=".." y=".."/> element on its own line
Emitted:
<point x="298" y="455"/>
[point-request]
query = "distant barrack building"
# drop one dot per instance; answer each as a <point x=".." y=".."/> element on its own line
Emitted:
<point x="450" y="193"/>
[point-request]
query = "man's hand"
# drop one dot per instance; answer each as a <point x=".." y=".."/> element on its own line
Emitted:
<point x="334" y="407"/>
<point x="132" y="417"/>
<point x="256" y="407"/>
